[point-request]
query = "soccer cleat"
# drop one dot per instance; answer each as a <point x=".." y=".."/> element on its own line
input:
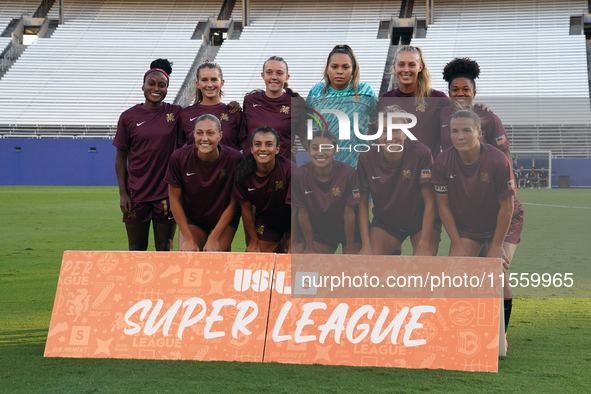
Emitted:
<point x="506" y="343"/>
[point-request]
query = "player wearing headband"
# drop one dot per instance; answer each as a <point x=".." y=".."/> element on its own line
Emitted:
<point x="146" y="136"/>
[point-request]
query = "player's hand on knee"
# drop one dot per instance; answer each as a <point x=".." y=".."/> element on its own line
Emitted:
<point x="457" y="250"/>
<point x="212" y="245"/>
<point x="189" y="246"/>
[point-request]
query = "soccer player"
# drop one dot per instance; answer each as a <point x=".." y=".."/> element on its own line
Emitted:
<point x="146" y="136"/>
<point x="200" y="178"/>
<point x="208" y="100"/>
<point x="273" y="108"/>
<point x="341" y="89"/>
<point x="475" y="188"/>
<point x="263" y="181"/>
<point x="416" y="96"/>
<point x="325" y="192"/>
<point x="397" y="175"/>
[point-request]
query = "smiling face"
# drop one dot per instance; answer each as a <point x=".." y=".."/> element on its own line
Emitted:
<point x="407" y="67"/>
<point x="465" y="134"/>
<point x="264" y="147"/>
<point x="339" y="71"/>
<point x="274" y="75"/>
<point x="155" y="88"/>
<point x="207" y="136"/>
<point x="322" y="152"/>
<point x="210" y="83"/>
<point x="461" y="92"/>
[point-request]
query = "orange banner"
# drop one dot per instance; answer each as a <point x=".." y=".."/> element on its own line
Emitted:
<point x="449" y="333"/>
<point x="161" y="305"/>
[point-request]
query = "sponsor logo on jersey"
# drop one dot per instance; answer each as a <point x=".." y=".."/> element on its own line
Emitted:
<point x="279" y="185"/>
<point x="406" y="174"/>
<point x="375" y="177"/>
<point x="511" y="184"/>
<point x="336" y="192"/>
<point x="356" y="193"/>
<point x="501" y="140"/>
<point x="255" y="105"/>
<point x="284" y="110"/>
<point x="170" y="117"/>
<point x="251" y="189"/>
<point x="190" y="174"/>
<point x="426" y="174"/>
<point x="192" y="119"/>
<point x="308" y="191"/>
<point x="139" y="124"/>
<point x="441" y="189"/>
<point x="224" y="117"/>
<point x="484" y="178"/>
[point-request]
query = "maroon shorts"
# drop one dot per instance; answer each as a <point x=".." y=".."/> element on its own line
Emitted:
<point x="335" y="240"/>
<point x="209" y="227"/>
<point x="157" y="211"/>
<point x="399" y="234"/>
<point x="271" y="233"/>
<point x="514" y="233"/>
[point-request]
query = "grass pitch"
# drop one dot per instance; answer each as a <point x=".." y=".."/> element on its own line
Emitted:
<point x="549" y="347"/>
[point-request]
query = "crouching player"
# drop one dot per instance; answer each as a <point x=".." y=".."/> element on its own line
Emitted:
<point x="263" y="181"/>
<point x="397" y="175"/>
<point x="200" y="179"/>
<point x="475" y="188"/>
<point x="325" y="193"/>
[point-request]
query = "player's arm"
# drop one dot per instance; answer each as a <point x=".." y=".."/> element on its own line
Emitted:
<point x="456" y="248"/>
<point x="175" y="195"/>
<point x="213" y="241"/>
<point x="248" y="218"/>
<point x="507" y="153"/>
<point x="428" y="220"/>
<point x="364" y="223"/>
<point x="121" y="171"/>
<point x="349" y="230"/>
<point x="495" y="249"/>
<point x="306" y="226"/>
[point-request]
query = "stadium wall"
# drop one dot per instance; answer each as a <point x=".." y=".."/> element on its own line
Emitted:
<point x="91" y="162"/>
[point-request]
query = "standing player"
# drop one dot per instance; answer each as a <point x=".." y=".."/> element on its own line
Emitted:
<point x="475" y="189"/>
<point x="263" y="181"/>
<point x="208" y="100"/>
<point x="200" y="179"/>
<point x="146" y="136"/>
<point x="325" y="192"/>
<point x="416" y="96"/>
<point x="342" y="90"/>
<point x="273" y="108"/>
<point x="397" y="174"/>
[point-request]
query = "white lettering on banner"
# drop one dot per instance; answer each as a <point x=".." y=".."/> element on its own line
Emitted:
<point x="259" y="281"/>
<point x="336" y="323"/>
<point x="345" y="125"/>
<point x="240" y="321"/>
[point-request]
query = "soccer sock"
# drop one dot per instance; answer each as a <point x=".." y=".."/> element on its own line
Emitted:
<point x="508" y="304"/>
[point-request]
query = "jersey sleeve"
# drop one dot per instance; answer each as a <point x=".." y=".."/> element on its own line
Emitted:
<point x="353" y="195"/>
<point x="296" y="190"/>
<point x="238" y="192"/>
<point x="362" y="172"/>
<point x="438" y="178"/>
<point x="501" y="139"/>
<point x="182" y="139"/>
<point x="426" y="164"/>
<point x="122" y="137"/>
<point x="174" y="172"/>
<point x="504" y="181"/>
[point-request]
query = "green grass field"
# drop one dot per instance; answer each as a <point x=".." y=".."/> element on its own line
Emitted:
<point x="549" y="347"/>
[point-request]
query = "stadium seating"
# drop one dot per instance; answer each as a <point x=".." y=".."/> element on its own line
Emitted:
<point x="14" y="9"/>
<point x="304" y="32"/>
<point x="91" y="69"/>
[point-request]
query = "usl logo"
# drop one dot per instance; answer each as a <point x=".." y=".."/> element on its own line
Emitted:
<point x="260" y="280"/>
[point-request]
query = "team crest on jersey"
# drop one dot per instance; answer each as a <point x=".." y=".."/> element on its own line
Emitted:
<point x="421" y="107"/>
<point x="484" y="177"/>
<point x="356" y="193"/>
<point x="260" y="229"/>
<point x="170" y="117"/>
<point x="336" y="192"/>
<point x="222" y="173"/>
<point x="511" y="184"/>
<point x="426" y="174"/>
<point x="279" y="185"/>
<point x="406" y="174"/>
<point x="224" y="117"/>
<point x="501" y="140"/>
<point x="131" y="215"/>
<point x="284" y="110"/>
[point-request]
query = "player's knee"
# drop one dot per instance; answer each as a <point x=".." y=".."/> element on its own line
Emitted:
<point x="138" y="246"/>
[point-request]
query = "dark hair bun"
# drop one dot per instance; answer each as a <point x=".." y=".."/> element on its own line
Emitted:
<point x="163" y="64"/>
<point x="461" y="67"/>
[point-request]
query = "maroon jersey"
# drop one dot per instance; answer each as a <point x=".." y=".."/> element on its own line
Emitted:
<point x="260" y="110"/>
<point x="231" y="123"/>
<point x="149" y="136"/>
<point x="269" y="194"/>
<point x="206" y="187"/>
<point x="326" y="201"/>
<point x="493" y="130"/>
<point x="427" y="129"/>
<point x="474" y="190"/>
<point x="396" y="187"/>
